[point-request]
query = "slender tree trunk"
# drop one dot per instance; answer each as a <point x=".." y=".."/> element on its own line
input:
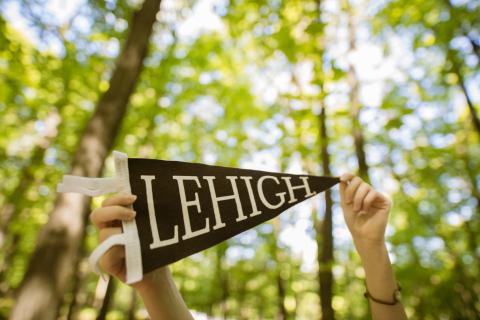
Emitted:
<point x="52" y="261"/>
<point x="280" y="282"/>
<point x="225" y="293"/>
<point x="325" y="260"/>
<point x="107" y="299"/>
<point x="323" y="228"/>
<point x="462" y="150"/>
<point x="473" y="223"/>
<point x="77" y="278"/>
<point x="282" y="312"/>
<point x="355" y="106"/>
<point x="471" y="107"/>
<point x="221" y="279"/>
<point x="456" y="68"/>
<point x="76" y="293"/>
<point x="475" y="43"/>
<point x="241" y="293"/>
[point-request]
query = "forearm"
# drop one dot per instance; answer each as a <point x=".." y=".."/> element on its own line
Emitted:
<point x="162" y="298"/>
<point x="380" y="281"/>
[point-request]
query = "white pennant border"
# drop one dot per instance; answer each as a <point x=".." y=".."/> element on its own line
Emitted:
<point x="129" y="238"/>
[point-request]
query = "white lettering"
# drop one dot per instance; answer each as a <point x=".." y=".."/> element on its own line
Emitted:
<point x="215" y="200"/>
<point x="281" y="195"/>
<point x="157" y="243"/>
<point x="255" y="211"/>
<point x="305" y="186"/>
<point x="185" y="204"/>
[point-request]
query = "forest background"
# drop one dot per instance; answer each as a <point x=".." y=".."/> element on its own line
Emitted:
<point x="388" y="89"/>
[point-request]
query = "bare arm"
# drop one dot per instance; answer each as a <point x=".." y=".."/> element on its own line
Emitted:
<point x="366" y="214"/>
<point x="161" y="296"/>
<point x="157" y="289"/>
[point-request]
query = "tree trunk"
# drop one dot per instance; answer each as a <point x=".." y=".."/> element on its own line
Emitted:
<point x="471" y="107"/>
<point x="241" y="292"/>
<point x="474" y="222"/>
<point x="76" y="293"/>
<point x="107" y="299"/>
<point x="280" y="282"/>
<point x="282" y="312"/>
<point x="220" y="281"/>
<point x="355" y="106"/>
<point x="223" y="279"/>
<point x="474" y="44"/>
<point x="323" y="228"/>
<point x="77" y="278"/>
<point x="325" y="259"/>
<point x="456" y="68"/>
<point x="51" y="264"/>
<point x="458" y="15"/>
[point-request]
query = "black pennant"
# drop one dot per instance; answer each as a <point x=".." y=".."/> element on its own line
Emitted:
<point x="183" y="208"/>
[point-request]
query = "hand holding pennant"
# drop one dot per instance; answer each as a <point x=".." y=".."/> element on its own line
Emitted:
<point x="183" y="208"/>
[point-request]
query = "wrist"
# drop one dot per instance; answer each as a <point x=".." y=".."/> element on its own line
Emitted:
<point x="161" y="296"/>
<point x="153" y="280"/>
<point x="368" y="249"/>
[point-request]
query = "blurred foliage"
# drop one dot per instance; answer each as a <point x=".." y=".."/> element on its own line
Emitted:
<point x="246" y="91"/>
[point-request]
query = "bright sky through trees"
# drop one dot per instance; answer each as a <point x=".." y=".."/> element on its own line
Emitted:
<point x="242" y="83"/>
<point x="373" y="70"/>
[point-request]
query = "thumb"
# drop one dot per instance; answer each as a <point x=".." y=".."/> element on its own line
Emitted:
<point x="344" y="181"/>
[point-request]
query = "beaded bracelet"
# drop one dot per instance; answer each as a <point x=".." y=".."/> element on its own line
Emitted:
<point x="396" y="296"/>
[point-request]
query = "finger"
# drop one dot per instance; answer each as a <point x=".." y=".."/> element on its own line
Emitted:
<point x="382" y="201"/>
<point x="369" y="199"/>
<point x="105" y="233"/>
<point x="346" y="177"/>
<point x="119" y="199"/>
<point x="360" y="194"/>
<point x="344" y="181"/>
<point x="352" y="188"/>
<point x="101" y="216"/>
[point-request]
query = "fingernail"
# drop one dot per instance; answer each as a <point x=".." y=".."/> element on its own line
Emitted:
<point x="133" y="213"/>
<point x="133" y="197"/>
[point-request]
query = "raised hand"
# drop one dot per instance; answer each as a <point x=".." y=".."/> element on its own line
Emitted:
<point x="108" y="219"/>
<point x="366" y="214"/>
<point x="157" y="288"/>
<point x="365" y="209"/>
